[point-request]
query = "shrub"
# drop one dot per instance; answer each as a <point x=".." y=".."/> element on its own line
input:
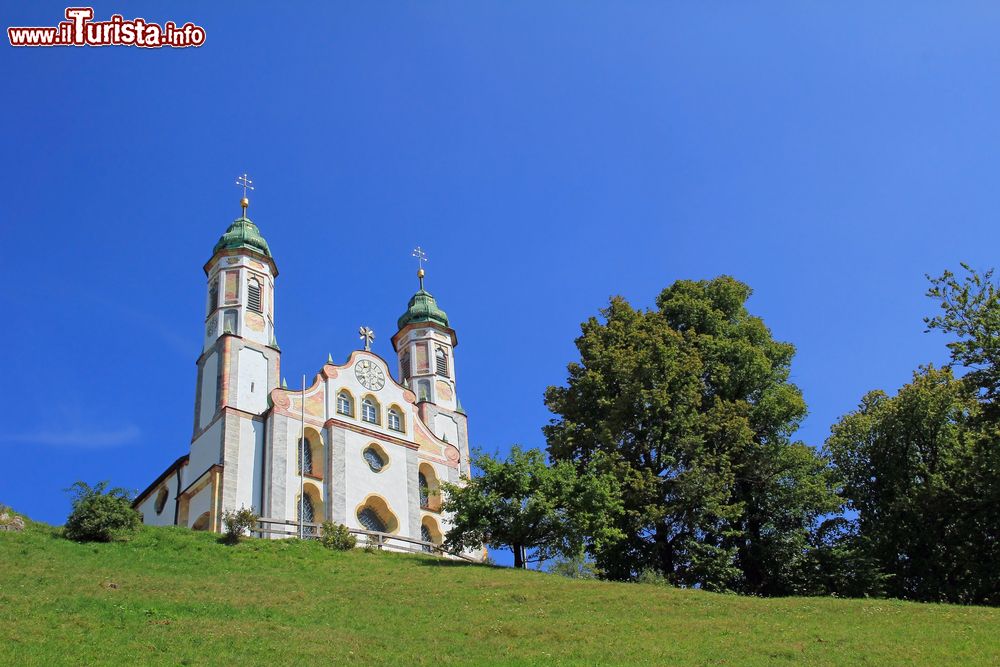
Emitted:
<point x="651" y="576"/>
<point x="9" y="520"/>
<point x="238" y="523"/>
<point x="337" y="536"/>
<point x="99" y="514"/>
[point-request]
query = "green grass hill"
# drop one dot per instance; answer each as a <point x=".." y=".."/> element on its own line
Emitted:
<point x="174" y="597"/>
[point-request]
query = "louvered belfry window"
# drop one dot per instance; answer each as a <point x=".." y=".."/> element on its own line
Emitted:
<point x="253" y="295"/>
<point x="441" y="362"/>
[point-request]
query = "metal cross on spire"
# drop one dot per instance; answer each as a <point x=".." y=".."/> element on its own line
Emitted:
<point x="421" y="256"/>
<point x="245" y="182"/>
<point x="367" y="335"/>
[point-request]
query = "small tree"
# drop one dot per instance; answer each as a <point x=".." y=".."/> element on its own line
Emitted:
<point x="524" y="504"/>
<point x="575" y="567"/>
<point x="337" y="536"/>
<point x="238" y="523"/>
<point x="100" y="514"/>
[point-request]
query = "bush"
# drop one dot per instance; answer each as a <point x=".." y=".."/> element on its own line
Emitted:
<point x="101" y="515"/>
<point x="650" y="576"/>
<point x="9" y="520"/>
<point x="238" y="523"/>
<point x="337" y="536"/>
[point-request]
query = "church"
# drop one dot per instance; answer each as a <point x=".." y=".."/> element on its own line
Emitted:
<point x="353" y="446"/>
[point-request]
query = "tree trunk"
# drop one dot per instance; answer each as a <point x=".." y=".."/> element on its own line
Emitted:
<point x="518" y="555"/>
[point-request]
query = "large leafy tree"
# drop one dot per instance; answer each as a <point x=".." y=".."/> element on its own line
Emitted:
<point x="922" y="468"/>
<point x="690" y="406"/>
<point x="910" y="465"/>
<point x="539" y="511"/>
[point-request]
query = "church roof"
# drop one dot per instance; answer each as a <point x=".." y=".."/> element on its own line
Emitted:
<point x="243" y="234"/>
<point x="423" y="308"/>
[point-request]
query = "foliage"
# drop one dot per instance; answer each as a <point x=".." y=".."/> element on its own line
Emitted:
<point x="100" y="514"/>
<point x="526" y="505"/>
<point x="690" y="407"/>
<point x="293" y="602"/>
<point x="970" y="310"/>
<point x="238" y="523"/>
<point x="652" y="577"/>
<point x="337" y="536"/>
<point x="921" y="474"/>
<point x="576" y="566"/>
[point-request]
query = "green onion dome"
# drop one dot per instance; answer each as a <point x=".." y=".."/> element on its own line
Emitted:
<point x="243" y="234"/>
<point x="423" y="308"/>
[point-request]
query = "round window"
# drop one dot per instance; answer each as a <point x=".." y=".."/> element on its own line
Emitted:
<point x="376" y="461"/>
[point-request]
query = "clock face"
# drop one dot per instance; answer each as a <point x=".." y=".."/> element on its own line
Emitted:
<point x="369" y="374"/>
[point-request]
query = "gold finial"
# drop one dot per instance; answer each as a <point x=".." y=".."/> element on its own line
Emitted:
<point x="421" y="256"/>
<point x="247" y="184"/>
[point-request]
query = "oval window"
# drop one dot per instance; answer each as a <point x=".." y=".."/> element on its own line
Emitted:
<point x="161" y="500"/>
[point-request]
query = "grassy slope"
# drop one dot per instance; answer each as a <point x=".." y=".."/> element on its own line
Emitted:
<point x="176" y="597"/>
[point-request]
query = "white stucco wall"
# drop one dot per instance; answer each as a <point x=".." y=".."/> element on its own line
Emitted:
<point x="250" y="464"/>
<point x="200" y="503"/>
<point x="205" y="451"/>
<point x="209" y="378"/>
<point x="251" y="383"/>
<point x="446" y="428"/>
<point x="391" y="483"/>
<point x="148" y="506"/>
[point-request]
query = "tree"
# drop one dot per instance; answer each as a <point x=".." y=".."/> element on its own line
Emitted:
<point x="913" y="468"/>
<point x="100" y="514"/>
<point x="691" y="407"/>
<point x="527" y="505"/>
<point x="970" y="310"/>
<point x="922" y="468"/>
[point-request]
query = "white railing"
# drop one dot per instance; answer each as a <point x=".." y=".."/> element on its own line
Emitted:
<point x="267" y="527"/>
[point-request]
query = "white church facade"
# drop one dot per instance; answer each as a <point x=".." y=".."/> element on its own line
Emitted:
<point x="375" y="450"/>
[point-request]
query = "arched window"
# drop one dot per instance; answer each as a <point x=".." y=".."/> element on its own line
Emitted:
<point x="305" y="458"/>
<point x="425" y="490"/>
<point x="370" y="519"/>
<point x="375" y="459"/>
<point x="441" y="362"/>
<point x="229" y="322"/>
<point x="345" y="404"/>
<point x="253" y="295"/>
<point x="213" y="295"/>
<point x="425" y="535"/>
<point x="201" y="523"/>
<point x="305" y="513"/>
<point x="429" y="488"/>
<point x="395" y="420"/>
<point x="369" y="411"/>
<point x="161" y="500"/>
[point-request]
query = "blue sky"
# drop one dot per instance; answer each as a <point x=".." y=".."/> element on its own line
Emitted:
<point x="546" y="155"/>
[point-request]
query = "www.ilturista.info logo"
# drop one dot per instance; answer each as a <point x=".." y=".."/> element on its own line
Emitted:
<point x="80" y="30"/>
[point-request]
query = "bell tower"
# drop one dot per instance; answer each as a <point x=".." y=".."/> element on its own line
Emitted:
<point x="239" y="363"/>
<point x="425" y="346"/>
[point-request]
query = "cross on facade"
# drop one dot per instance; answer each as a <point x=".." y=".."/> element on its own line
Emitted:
<point x="368" y="336"/>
